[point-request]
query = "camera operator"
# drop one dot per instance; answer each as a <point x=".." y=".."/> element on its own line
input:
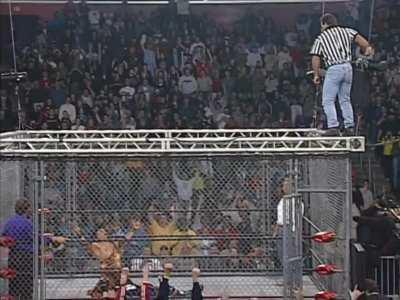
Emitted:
<point x="379" y="235"/>
<point x="367" y="290"/>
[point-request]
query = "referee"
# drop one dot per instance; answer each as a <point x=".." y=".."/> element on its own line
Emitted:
<point x="334" y="47"/>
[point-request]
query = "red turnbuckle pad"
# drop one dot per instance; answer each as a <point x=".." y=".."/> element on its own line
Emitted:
<point x="7" y="297"/>
<point x="327" y="269"/>
<point x="324" y="237"/>
<point x="7" y="273"/>
<point x="7" y="242"/>
<point x="325" y="295"/>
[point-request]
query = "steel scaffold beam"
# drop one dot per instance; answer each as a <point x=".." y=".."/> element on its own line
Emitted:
<point x="158" y="142"/>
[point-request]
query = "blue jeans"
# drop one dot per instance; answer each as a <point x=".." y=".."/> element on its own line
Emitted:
<point x="338" y="80"/>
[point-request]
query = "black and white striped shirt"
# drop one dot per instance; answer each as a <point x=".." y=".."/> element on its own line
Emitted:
<point x="334" y="45"/>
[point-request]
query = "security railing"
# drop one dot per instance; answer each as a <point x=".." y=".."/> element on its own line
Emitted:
<point x="388" y="276"/>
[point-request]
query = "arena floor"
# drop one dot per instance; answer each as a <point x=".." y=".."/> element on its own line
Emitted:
<point x="248" y="287"/>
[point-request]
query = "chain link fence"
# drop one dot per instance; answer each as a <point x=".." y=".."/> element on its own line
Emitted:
<point x="18" y="264"/>
<point x="327" y="187"/>
<point x="218" y="214"/>
<point x="293" y="209"/>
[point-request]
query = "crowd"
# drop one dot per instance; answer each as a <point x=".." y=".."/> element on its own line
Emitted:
<point x="89" y="69"/>
<point x="379" y="120"/>
<point x="187" y="217"/>
<point x="380" y="117"/>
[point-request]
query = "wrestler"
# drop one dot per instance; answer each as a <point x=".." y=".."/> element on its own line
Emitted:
<point x="109" y="253"/>
<point x="147" y="291"/>
<point x="130" y="290"/>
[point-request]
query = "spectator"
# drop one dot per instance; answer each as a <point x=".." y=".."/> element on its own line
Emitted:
<point x="51" y="122"/>
<point x="245" y="231"/>
<point x="357" y="206"/>
<point x="187" y="83"/>
<point x="367" y="197"/>
<point x="255" y="259"/>
<point x="284" y="57"/>
<point x="271" y="60"/>
<point x="184" y="247"/>
<point x="57" y="94"/>
<point x="129" y="91"/>
<point x="78" y="125"/>
<point x="184" y="186"/>
<point x="388" y="143"/>
<point x="65" y="124"/>
<point x="69" y="108"/>
<point x="161" y="226"/>
<point x="231" y="255"/>
<point x="137" y="238"/>
<point x="204" y="84"/>
<point x="87" y="97"/>
<point x="253" y="57"/>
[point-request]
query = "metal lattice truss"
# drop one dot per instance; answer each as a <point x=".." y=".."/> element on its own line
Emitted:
<point x="195" y="142"/>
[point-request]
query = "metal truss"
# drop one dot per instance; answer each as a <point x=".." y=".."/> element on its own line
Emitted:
<point x="189" y="142"/>
<point x="165" y="2"/>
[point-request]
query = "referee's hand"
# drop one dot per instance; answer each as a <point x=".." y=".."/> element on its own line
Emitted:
<point x="317" y="80"/>
<point x="369" y="51"/>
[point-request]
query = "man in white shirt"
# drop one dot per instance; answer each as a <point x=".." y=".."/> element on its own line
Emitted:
<point x="290" y="211"/>
<point x="253" y="57"/>
<point x="128" y="90"/>
<point x="183" y="7"/>
<point x="94" y="18"/>
<point x="87" y="97"/>
<point x="367" y="196"/>
<point x="284" y="57"/>
<point x="184" y="187"/>
<point x="280" y="213"/>
<point x="291" y="39"/>
<point x="271" y="83"/>
<point x="69" y="108"/>
<point x="187" y="83"/>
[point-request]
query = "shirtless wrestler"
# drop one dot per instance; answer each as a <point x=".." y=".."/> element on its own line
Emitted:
<point x="109" y="253"/>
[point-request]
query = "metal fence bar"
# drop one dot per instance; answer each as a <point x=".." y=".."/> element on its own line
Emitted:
<point x="387" y="274"/>
<point x="41" y="180"/>
<point x="326" y="211"/>
<point x="347" y="219"/>
<point x="33" y="172"/>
